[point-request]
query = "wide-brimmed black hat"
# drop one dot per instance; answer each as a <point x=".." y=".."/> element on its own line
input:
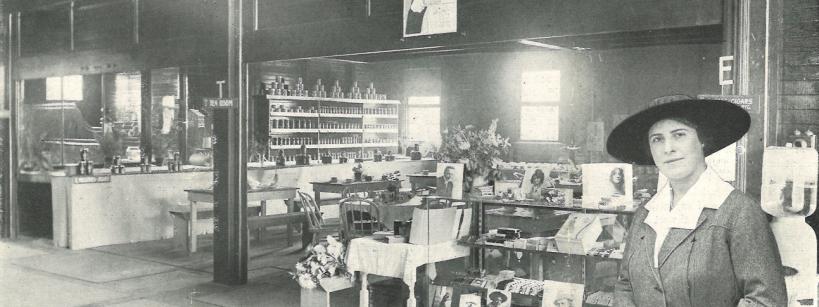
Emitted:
<point x="719" y="122"/>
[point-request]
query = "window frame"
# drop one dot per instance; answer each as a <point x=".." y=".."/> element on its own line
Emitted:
<point x="545" y="102"/>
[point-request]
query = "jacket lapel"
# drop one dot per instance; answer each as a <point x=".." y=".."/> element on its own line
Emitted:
<point x="676" y="237"/>
<point x="648" y="236"/>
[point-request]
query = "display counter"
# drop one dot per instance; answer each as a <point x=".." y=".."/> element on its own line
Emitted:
<point x="104" y="209"/>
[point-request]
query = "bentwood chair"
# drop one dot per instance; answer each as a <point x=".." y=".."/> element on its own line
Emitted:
<point x="318" y="226"/>
<point x="359" y="217"/>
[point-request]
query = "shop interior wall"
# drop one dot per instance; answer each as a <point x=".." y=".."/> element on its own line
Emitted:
<point x="596" y="85"/>
<point x="799" y="107"/>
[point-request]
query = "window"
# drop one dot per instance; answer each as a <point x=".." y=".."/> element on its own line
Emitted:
<point x="64" y="88"/>
<point x="540" y="110"/>
<point x="424" y="120"/>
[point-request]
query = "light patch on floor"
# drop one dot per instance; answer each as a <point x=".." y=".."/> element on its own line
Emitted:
<point x="22" y="287"/>
<point x="92" y="266"/>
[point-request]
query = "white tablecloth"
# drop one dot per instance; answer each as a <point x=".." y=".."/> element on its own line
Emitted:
<point x="398" y="259"/>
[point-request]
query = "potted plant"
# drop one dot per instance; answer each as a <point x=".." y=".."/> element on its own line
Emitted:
<point x="479" y="150"/>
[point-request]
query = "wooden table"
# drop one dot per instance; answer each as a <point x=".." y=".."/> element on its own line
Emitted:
<point x="345" y="188"/>
<point x="197" y="196"/>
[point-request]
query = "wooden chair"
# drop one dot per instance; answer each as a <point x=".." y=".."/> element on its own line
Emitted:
<point x="318" y="226"/>
<point x="359" y="217"/>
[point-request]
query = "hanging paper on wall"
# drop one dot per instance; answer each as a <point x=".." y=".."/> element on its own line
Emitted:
<point x="426" y="17"/>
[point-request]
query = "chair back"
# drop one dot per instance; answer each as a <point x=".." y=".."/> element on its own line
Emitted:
<point x="359" y="217"/>
<point x="311" y="210"/>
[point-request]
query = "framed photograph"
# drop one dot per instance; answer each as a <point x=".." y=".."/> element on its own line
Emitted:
<point x="427" y="17"/>
<point x="538" y="178"/>
<point x="443" y="296"/>
<point x="607" y="185"/>
<point x="562" y="294"/>
<point x="498" y="298"/>
<point x="601" y="276"/>
<point x="450" y="180"/>
<point x="470" y="300"/>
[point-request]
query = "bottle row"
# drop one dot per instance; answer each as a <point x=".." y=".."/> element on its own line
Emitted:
<point x="333" y="110"/>
<point x="292" y="123"/>
<point x="291" y="141"/>
<point x="282" y="87"/>
<point x="335" y="155"/>
<point x="380" y="126"/>
<point x="339" y="125"/>
<point x="378" y="141"/>
<point x="355" y="139"/>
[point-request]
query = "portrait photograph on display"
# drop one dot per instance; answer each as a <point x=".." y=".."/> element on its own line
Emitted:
<point x="498" y="298"/>
<point x="601" y="276"/>
<point x="426" y="17"/>
<point x="470" y="300"/>
<point x="537" y="180"/>
<point x="449" y="181"/>
<point x="562" y="294"/>
<point x="607" y="185"/>
<point x="443" y="297"/>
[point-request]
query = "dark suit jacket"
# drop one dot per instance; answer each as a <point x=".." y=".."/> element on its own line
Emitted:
<point x="729" y="259"/>
<point x="444" y="188"/>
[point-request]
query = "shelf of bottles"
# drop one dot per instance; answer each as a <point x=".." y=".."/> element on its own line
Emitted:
<point x="335" y="123"/>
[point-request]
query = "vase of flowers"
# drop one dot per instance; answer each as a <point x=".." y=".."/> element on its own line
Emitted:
<point x="324" y="261"/>
<point x="480" y="151"/>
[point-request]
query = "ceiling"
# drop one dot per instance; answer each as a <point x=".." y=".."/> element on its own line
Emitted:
<point x="711" y="34"/>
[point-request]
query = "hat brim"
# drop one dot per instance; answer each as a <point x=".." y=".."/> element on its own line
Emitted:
<point x="721" y="122"/>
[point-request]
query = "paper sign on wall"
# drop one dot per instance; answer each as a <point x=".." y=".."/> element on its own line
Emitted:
<point x="426" y="17"/>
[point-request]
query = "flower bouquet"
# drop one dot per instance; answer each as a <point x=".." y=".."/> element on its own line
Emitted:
<point x="480" y="150"/>
<point x="324" y="266"/>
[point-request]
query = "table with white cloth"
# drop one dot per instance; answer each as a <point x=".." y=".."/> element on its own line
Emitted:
<point x="399" y="260"/>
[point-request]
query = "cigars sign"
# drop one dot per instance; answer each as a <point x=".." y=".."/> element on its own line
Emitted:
<point x="748" y="102"/>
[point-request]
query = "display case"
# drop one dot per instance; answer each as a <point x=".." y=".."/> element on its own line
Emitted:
<point x="518" y="242"/>
<point x="338" y="128"/>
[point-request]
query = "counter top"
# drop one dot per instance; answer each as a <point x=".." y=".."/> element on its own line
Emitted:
<point x="45" y="177"/>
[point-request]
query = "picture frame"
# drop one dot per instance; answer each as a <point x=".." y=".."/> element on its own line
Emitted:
<point x="562" y="294"/>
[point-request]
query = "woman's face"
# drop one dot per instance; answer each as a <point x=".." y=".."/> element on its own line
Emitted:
<point x="537" y="180"/>
<point x="676" y="149"/>
<point x="617" y="175"/>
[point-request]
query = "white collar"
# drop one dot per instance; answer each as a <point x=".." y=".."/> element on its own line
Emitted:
<point x="709" y="191"/>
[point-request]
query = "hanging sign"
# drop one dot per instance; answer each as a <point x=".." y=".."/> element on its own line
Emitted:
<point x="747" y="102"/>
<point x="219" y="103"/>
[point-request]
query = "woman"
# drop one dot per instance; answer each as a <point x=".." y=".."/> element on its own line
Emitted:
<point x="617" y="182"/>
<point x="698" y="241"/>
<point x="538" y="182"/>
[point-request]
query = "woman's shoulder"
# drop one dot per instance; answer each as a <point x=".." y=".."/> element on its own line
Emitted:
<point x="740" y="207"/>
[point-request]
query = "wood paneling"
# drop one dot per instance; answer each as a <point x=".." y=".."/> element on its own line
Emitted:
<point x="103" y="24"/>
<point x="45" y="31"/>
<point x="799" y="106"/>
<point x="799" y="102"/>
<point x="800" y="88"/>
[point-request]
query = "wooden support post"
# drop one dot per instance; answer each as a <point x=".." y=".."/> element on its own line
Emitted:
<point x="230" y="239"/>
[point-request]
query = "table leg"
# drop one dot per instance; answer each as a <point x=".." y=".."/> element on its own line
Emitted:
<point x="317" y="197"/>
<point x="536" y="266"/>
<point x="192" y="228"/>
<point x="290" y="208"/>
<point x="262" y="212"/>
<point x="364" y="294"/>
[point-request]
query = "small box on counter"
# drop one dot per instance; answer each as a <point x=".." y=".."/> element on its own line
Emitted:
<point x="510" y="233"/>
